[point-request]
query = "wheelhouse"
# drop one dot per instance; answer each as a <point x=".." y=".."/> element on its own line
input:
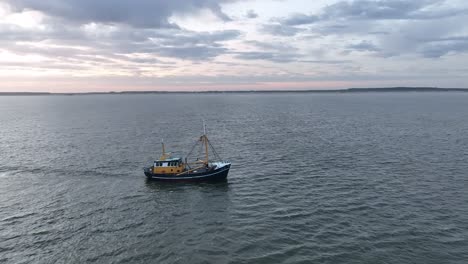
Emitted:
<point x="168" y="166"/>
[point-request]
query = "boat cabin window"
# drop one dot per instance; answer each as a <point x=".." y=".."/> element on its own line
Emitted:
<point x="167" y="164"/>
<point x="173" y="163"/>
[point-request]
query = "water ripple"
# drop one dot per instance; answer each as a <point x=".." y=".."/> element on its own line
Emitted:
<point x="315" y="179"/>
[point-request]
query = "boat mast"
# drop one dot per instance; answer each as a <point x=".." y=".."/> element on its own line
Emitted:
<point x="204" y="127"/>
<point x="163" y="149"/>
<point x="205" y="141"/>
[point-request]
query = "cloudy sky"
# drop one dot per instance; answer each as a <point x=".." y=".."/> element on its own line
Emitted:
<point x="115" y="45"/>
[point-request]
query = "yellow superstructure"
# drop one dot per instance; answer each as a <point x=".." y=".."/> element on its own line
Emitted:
<point x="168" y="165"/>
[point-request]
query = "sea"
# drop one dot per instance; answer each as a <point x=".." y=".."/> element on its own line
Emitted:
<point x="374" y="177"/>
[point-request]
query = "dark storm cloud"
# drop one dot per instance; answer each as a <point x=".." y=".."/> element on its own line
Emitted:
<point x="137" y="13"/>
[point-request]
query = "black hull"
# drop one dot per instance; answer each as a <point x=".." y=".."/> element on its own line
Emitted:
<point x="215" y="175"/>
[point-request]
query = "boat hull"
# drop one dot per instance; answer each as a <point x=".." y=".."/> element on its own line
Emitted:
<point x="214" y="175"/>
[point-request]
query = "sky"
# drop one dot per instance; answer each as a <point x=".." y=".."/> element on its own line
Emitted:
<point x="200" y="45"/>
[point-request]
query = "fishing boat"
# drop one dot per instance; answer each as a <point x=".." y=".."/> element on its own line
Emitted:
<point x="198" y="167"/>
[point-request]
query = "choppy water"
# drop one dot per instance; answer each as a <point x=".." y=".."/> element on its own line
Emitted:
<point x="316" y="178"/>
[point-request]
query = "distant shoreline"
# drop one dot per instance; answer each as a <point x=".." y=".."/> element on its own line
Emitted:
<point x="348" y="90"/>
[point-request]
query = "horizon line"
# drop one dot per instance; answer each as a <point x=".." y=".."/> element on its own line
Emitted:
<point x="353" y="89"/>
